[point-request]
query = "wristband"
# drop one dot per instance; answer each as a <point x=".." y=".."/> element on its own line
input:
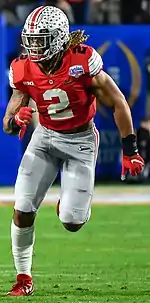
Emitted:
<point x="13" y="126"/>
<point x="129" y="145"/>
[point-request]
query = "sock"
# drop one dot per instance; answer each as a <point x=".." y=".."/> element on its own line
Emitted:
<point x="22" y="248"/>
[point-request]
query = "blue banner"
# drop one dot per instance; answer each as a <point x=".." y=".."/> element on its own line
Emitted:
<point x="3" y="58"/>
<point x="124" y="50"/>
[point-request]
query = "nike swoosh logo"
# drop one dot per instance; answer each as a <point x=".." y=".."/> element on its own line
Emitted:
<point x="84" y="148"/>
<point x="69" y="80"/>
<point x="137" y="161"/>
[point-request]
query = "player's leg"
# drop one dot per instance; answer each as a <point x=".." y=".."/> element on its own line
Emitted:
<point x="36" y="173"/>
<point x="77" y="182"/>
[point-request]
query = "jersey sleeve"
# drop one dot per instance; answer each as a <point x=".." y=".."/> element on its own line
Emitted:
<point x="11" y="78"/>
<point x="16" y="74"/>
<point x="95" y="62"/>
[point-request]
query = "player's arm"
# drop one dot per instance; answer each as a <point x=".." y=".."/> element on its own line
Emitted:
<point x="17" y="113"/>
<point x="107" y="92"/>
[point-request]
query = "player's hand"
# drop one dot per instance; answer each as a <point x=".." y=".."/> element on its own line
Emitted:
<point x="134" y="164"/>
<point x="23" y="118"/>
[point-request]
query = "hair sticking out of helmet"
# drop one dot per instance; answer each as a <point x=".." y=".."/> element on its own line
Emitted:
<point x="46" y="36"/>
<point x="75" y="38"/>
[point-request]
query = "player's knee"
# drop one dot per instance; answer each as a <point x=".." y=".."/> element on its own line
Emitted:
<point x="74" y="219"/>
<point x="22" y="219"/>
<point x="72" y="227"/>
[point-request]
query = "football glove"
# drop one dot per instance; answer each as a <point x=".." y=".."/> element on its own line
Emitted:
<point x="131" y="160"/>
<point x="23" y="118"/>
<point x="134" y="165"/>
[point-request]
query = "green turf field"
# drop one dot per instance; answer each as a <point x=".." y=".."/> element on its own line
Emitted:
<point x="107" y="261"/>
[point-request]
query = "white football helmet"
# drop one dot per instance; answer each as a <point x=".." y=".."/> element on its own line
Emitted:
<point x="45" y="33"/>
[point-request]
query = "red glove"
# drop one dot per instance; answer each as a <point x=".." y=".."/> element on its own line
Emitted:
<point x="134" y="164"/>
<point x="23" y="118"/>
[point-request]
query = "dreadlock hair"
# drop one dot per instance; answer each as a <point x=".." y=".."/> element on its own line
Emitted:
<point x="75" y="38"/>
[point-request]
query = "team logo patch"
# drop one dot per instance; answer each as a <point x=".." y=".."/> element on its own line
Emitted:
<point x="76" y="71"/>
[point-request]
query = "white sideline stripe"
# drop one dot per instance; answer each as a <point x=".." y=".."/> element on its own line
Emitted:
<point x="119" y="198"/>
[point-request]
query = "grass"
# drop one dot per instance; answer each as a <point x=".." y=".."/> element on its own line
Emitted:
<point x="107" y="261"/>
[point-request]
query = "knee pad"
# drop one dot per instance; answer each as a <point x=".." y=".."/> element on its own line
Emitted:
<point x="74" y="216"/>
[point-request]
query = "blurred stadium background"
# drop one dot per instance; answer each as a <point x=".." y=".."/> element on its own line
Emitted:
<point x="119" y="30"/>
<point x="109" y="258"/>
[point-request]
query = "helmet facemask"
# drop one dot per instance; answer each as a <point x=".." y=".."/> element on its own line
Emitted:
<point x="41" y="46"/>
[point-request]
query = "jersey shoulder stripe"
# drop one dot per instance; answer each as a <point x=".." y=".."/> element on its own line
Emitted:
<point x="95" y="63"/>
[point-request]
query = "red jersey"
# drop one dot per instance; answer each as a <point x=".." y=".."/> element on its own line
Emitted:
<point x="63" y="100"/>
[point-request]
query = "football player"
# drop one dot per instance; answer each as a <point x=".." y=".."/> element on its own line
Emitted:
<point x="64" y="77"/>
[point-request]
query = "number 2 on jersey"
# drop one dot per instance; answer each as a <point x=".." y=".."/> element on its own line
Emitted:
<point x="58" y="111"/>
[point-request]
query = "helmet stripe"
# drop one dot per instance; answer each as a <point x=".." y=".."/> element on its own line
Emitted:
<point x="35" y="16"/>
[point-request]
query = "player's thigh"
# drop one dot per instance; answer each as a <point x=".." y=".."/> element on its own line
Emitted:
<point x="36" y="173"/>
<point x="77" y="184"/>
<point x="77" y="179"/>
